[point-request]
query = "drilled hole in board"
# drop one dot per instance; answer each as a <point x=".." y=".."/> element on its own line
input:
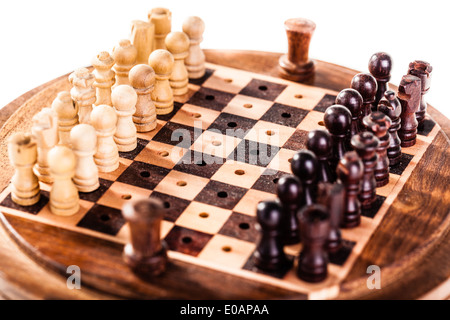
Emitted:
<point x="298" y="96"/>
<point x="270" y="133"/>
<point x="239" y="172"/>
<point x="164" y="154"/>
<point x="262" y="88"/>
<point x="275" y="180"/>
<point x="105" y="217"/>
<point x="222" y="194"/>
<point x="196" y="115"/>
<point x="216" y="143"/>
<point x="228" y="80"/>
<point x="201" y="164"/>
<point x="290" y="160"/>
<point x="145" y="174"/>
<point x="286" y="115"/>
<point x="232" y="124"/>
<point x="186" y="240"/>
<point x="248" y="105"/>
<point x="226" y="249"/>
<point x="204" y="215"/>
<point x="182" y="183"/>
<point x="126" y="196"/>
<point x="321" y="123"/>
<point x="244" y="226"/>
<point x="209" y="97"/>
<point x="166" y="205"/>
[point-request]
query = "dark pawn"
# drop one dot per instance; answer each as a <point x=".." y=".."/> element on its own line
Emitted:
<point x="314" y="229"/>
<point x="365" y="145"/>
<point x="338" y="121"/>
<point x="367" y="86"/>
<point x="380" y="65"/>
<point x="289" y="191"/>
<point x="146" y="254"/>
<point x="422" y="70"/>
<point x="378" y="123"/>
<point x="304" y="166"/>
<point x="392" y="108"/>
<point x="353" y="100"/>
<point x="350" y="173"/>
<point x="269" y="255"/>
<point x="319" y="142"/>
<point x="332" y="196"/>
<point x="409" y="93"/>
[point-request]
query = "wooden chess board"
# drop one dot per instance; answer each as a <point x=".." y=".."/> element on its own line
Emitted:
<point x="210" y="179"/>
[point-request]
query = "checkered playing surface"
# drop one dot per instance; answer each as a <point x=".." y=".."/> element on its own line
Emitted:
<point x="210" y="162"/>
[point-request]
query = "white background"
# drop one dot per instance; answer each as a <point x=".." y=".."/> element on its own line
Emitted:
<point x="41" y="40"/>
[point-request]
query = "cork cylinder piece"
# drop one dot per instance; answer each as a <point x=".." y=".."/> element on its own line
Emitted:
<point x="296" y="65"/>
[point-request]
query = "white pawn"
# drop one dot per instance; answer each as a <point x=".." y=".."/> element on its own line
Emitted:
<point x="67" y="112"/>
<point x="83" y="93"/>
<point x="104" y="77"/>
<point x="45" y="130"/>
<point x="64" y="199"/>
<point x="195" y="62"/>
<point x="162" y="63"/>
<point x="125" y="55"/>
<point x="104" y="120"/>
<point x="178" y="45"/>
<point x="142" y="78"/>
<point x="22" y="150"/>
<point x="83" y="139"/>
<point x="124" y="100"/>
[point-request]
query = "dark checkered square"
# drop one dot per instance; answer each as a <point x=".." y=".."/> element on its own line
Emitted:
<point x="200" y="81"/>
<point x="141" y="143"/>
<point x="285" y="115"/>
<point x="143" y="175"/>
<point x="103" y="219"/>
<point x="327" y="101"/>
<point x="341" y="256"/>
<point x="187" y="241"/>
<point x="178" y="135"/>
<point x="176" y="107"/>
<point x="405" y="159"/>
<point x="211" y="99"/>
<point x="426" y="128"/>
<point x="267" y="182"/>
<point x="221" y="195"/>
<point x="255" y="153"/>
<point x="297" y="141"/>
<point x="280" y="274"/>
<point x="371" y="213"/>
<point x="173" y="206"/>
<point x="232" y="125"/>
<point x="97" y="194"/>
<point x="199" y="164"/>
<point x="34" y="209"/>
<point x="263" y="89"/>
<point x="240" y="226"/>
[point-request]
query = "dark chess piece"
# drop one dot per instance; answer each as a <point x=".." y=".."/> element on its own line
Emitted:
<point x="332" y="196"/>
<point x="296" y="65"/>
<point x="314" y="230"/>
<point x="367" y="86"/>
<point x="378" y="123"/>
<point x="305" y="166"/>
<point x="365" y="145"/>
<point x="353" y="100"/>
<point x="380" y="65"/>
<point x="338" y="121"/>
<point x="269" y="255"/>
<point x="422" y="70"/>
<point x="146" y="254"/>
<point x="290" y="193"/>
<point x="392" y="108"/>
<point x="409" y="93"/>
<point x="350" y="173"/>
<point x="319" y="142"/>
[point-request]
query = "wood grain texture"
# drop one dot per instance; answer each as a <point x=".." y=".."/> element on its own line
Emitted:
<point x="412" y="244"/>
